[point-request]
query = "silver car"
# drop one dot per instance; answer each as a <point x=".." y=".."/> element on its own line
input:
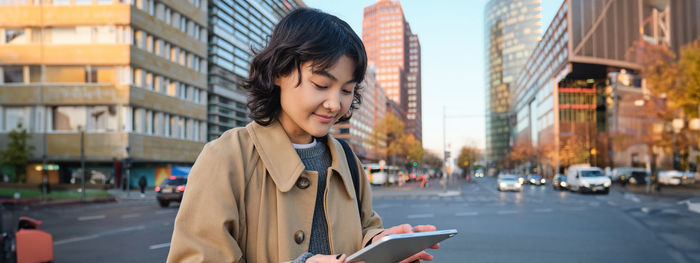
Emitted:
<point x="509" y="183"/>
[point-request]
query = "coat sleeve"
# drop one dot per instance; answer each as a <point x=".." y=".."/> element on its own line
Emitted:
<point x="371" y="222"/>
<point x="207" y="226"/>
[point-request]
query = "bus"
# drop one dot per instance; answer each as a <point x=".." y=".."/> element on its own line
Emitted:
<point x="377" y="176"/>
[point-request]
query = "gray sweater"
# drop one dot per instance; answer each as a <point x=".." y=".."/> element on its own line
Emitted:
<point x="317" y="158"/>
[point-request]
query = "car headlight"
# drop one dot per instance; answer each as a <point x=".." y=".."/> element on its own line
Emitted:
<point x="585" y="184"/>
<point x="563" y="184"/>
<point x="520" y="180"/>
<point x="503" y="185"/>
<point x="532" y="181"/>
<point x="607" y="184"/>
<point x="543" y="180"/>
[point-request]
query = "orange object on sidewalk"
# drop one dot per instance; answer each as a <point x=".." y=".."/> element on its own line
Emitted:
<point x="422" y="184"/>
<point x="33" y="245"/>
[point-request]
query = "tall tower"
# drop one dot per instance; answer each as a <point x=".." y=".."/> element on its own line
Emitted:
<point x="234" y="28"/>
<point x="512" y="31"/>
<point x="395" y="50"/>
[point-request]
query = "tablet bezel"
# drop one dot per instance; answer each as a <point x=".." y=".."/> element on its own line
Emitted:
<point x="388" y="243"/>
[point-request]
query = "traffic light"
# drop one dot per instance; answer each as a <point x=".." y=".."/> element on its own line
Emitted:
<point x="415" y="163"/>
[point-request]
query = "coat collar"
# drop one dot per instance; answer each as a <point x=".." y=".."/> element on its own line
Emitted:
<point x="283" y="162"/>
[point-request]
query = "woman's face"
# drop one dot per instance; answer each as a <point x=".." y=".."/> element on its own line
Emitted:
<point x="322" y="98"/>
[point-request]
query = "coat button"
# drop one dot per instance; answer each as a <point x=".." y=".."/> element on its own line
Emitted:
<point x="303" y="183"/>
<point x="299" y="237"/>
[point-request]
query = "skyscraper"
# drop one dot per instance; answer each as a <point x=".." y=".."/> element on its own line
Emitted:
<point x="395" y="50"/>
<point x="129" y="73"/>
<point x="236" y="29"/>
<point x="512" y="30"/>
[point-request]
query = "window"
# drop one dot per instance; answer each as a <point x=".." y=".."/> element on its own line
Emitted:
<point x="149" y="81"/>
<point x="12" y="74"/>
<point x="104" y="2"/>
<point x="68" y="118"/>
<point x="103" y="119"/>
<point x="149" y="44"/>
<point x="106" y="34"/>
<point x="172" y="88"/>
<point x="173" y="126"/>
<point x="138" y="77"/>
<point x="65" y="74"/>
<point x="14" y="116"/>
<point x="14" y="36"/>
<point x="158" y="124"/>
<point x="102" y="75"/>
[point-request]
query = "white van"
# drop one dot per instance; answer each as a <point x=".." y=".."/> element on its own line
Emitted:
<point x="584" y="178"/>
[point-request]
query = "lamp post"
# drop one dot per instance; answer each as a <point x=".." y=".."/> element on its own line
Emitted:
<point x="82" y="163"/>
<point x="677" y="125"/>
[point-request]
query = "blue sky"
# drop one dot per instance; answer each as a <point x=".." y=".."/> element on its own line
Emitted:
<point x="452" y="46"/>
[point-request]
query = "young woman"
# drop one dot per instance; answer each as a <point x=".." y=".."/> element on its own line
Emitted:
<point x="280" y="189"/>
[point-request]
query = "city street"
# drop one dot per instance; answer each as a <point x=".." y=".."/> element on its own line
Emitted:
<point x="536" y="225"/>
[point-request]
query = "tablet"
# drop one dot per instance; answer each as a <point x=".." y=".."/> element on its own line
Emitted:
<point x="394" y="248"/>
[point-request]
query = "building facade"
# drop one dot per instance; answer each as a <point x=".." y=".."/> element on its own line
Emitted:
<point x="512" y="30"/>
<point x="129" y="73"/>
<point x="395" y="50"/>
<point x="579" y="95"/>
<point x="236" y="29"/>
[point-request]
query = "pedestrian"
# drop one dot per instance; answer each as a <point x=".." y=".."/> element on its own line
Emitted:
<point x="142" y="185"/>
<point x="281" y="188"/>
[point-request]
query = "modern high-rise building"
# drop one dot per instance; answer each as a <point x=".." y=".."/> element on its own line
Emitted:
<point x="580" y="98"/>
<point x="395" y="50"/>
<point x="358" y="131"/>
<point x="131" y="74"/>
<point x="512" y="30"/>
<point x="236" y="30"/>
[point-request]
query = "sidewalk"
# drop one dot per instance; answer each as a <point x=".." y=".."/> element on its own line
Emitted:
<point x="412" y="189"/>
<point x="135" y="194"/>
<point x="670" y="191"/>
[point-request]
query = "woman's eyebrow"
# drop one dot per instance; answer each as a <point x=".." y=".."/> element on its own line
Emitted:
<point x="330" y="76"/>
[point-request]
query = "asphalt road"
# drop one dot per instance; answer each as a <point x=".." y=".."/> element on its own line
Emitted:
<point x="536" y="225"/>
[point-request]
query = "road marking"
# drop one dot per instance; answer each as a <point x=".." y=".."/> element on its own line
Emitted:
<point x="165" y="212"/>
<point x="85" y="218"/>
<point x="594" y="204"/>
<point x="632" y="197"/>
<point x="467" y="214"/>
<point x="421" y="216"/>
<point x="507" y="212"/>
<point x="545" y="210"/>
<point x="131" y="215"/>
<point x="76" y="239"/>
<point x="421" y="205"/>
<point x="646" y="210"/>
<point x="159" y="246"/>
<point x="612" y="203"/>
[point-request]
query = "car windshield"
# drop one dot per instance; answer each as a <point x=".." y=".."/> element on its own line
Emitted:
<point x="176" y="181"/>
<point x="591" y="173"/>
<point x="508" y="179"/>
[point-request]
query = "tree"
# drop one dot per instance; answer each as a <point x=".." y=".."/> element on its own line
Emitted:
<point x="391" y="130"/>
<point x="414" y="149"/>
<point x="467" y="158"/>
<point x="17" y="152"/>
<point x="690" y="77"/>
<point x="432" y="161"/>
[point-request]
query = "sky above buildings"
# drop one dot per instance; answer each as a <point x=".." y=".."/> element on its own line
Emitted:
<point x="452" y="45"/>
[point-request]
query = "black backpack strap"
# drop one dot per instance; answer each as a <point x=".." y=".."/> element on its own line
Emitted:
<point x="353" y="171"/>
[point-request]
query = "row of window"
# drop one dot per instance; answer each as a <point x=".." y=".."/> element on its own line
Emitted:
<point x="58" y="2"/>
<point x="101" y="118"/>
<point x="151" y="81"/>
<point x="169" y="51"/>
<point x="25" y="74"/>
<point x="174" y="18"/>
<point x="103" y="34"/>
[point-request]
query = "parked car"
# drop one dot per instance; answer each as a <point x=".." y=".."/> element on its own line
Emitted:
<point x="559" y="182"/>
<point x="171" y="190"/>
<point x="673" y="177"/>
<point x="622" y="174"/>
<point x="536" y="179"/>
<point x="637" y="176"/>
<point x="508" y="183"/>
<point x="522" y="179"/>
<point x="584" y="178"/>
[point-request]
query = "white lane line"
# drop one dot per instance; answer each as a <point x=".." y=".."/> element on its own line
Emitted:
<point x="159" y="246"/>
<point x="85" y="218"/>
<point x="545" y="210"/>
<point x="131" y="215"/>
<point x="98" y="235"/>
<point x="612" y="203"/>
<point x="632" y="197"/>
<point x="646" y="210"/>
<point x="165" y="212"/>
<point x="507" y="212"/>
<point x="421" y="216"/>
<point x="467" y="214"/>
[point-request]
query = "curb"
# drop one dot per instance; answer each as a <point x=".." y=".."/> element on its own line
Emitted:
<point x="38" y="203"/>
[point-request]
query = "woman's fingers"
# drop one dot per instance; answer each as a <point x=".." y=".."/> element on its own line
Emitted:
<point x="424" y="228"/>
<point x="419" y="256"/>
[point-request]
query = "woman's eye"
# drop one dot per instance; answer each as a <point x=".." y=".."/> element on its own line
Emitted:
<point x="347" y="91"/>
<point x="320" y="87"/>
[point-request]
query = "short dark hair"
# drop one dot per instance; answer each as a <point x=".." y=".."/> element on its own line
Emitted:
<point x="303" y="35"/>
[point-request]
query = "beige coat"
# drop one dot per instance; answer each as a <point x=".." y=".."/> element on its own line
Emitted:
<point x="248" y="199"/>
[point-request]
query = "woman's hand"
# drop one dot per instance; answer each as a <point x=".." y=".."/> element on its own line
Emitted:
<point x="327" y="258"/>
<point x="406" y="228"/>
